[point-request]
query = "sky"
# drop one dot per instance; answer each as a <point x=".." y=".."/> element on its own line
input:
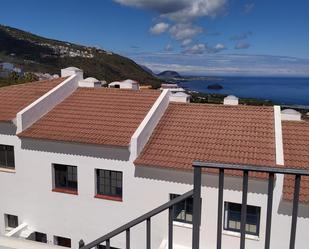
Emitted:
<point x="193" y="37"/>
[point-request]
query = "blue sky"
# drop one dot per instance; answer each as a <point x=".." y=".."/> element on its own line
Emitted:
<point x="210" y="37"/>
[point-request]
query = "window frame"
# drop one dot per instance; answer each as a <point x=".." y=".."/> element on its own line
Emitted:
<point x="7" y="221"/>
<point x="6" y="150"/>
<point x="43" y="237"/>
<point x="70" y="177"/>
<point x="56" y="241"/>
<point x="105" y="180"/>
<point x="175" y="219"/>
<point x="227" y="219"/>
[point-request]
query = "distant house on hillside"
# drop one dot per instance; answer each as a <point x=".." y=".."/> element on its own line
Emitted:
<point x="172" y="87"/>
<point x="126" y="84"/>
<point x="6" y="68"/>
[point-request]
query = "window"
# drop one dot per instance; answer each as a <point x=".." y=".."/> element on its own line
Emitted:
<point x="233" y="217"/>
<point x="109" y="184"/>
<point x="62" y="241"/>
<point x="65" y="177"/>
<point x="7" y="156"/>
<point x="40" y="237"/>
<point x="11" y="221"/>
<point x="183" y="211"/>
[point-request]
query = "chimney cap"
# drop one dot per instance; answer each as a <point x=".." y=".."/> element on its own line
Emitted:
<point x="231" y="97"/>
<point x="91" y="79"/>
<point x="73" y="69"/>
<point x="230" y="100"/>
<point x="290" y="115"/>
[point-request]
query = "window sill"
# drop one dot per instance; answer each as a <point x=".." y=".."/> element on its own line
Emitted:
<point x="7" y="170"/>
<point x="236" y="234"/>
<point x="65" y="191"/>
<point x="182" y="224"/>
<point x="107" y="197"/>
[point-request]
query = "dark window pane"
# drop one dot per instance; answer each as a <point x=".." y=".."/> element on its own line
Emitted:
<point x="233" y="218"/>
<point x="7" y="158"/>
<point x="110" y="184"/>
<point x="183" y="210"/>
<point x="65" y="177"/>
<point x="12" y="221"/>
<point x="40" y="237"/>
<point x="61" y="241"/>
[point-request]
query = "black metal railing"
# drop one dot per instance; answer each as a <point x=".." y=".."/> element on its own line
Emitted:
<point x="271" y="171"/>
<point x="196" y="193"/>
<point x="144" y="218"/>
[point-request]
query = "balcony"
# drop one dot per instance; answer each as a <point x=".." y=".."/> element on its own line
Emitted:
<point x="196" y="193"/>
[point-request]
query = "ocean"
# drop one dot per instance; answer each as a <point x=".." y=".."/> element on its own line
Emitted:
<point x="289" y="91"/>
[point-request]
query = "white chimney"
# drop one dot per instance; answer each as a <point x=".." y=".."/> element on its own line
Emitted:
<point x="90" y="82"/>
<point x="290" y="115"/>
<point x="71" y="71"/>
<point x="231" y="100"/>
<point x="180" y="97"/>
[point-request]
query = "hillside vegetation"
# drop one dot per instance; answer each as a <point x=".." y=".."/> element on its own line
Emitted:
<point x="38" y="54"/>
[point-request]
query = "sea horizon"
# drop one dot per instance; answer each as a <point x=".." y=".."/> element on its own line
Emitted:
<point x="279" y="90"/>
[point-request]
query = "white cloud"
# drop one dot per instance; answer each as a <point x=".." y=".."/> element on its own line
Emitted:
<point x="224" y="64"/>
<point x="184" y="31"/>
<point x="159" y="28"/>
<point x="168" y="48"/>
<point x="196" y="49"/>
<point x="186" y="42"/>
<point x="202" y="48"/>
<point x="248" y="8"/>
<point x="242" y="45"/>
<point x="180" y="10"/>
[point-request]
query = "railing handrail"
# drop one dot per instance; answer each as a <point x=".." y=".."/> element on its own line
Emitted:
<point x="253" y="168"/>
<point x="138" y="220"/>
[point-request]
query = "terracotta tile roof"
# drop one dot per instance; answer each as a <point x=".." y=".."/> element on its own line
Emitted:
<point x="214" y="133"/>
<point x="14" y="98"/>
<point x="95" y="116"/>
<point x="296" y="154"/>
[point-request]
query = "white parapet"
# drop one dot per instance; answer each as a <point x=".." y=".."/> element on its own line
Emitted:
<point x="144" y="131"/>
<point x="33" y="112"/>
<point x="278" y="136"/>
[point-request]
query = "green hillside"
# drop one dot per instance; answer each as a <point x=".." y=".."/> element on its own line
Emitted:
<point x="38" y="54"/>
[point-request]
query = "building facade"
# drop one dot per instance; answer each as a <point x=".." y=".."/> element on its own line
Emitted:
<point x="78" y="162"/>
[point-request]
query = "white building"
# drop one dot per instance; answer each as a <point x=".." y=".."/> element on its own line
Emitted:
<point x="126" y="84"/>
<point x="174" y="88"/>
<point x="78" y="162"/>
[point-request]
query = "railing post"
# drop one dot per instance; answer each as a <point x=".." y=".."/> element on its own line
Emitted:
<point x="148" y="234"/>
<point x="220" y="207"/>
<point x="108" y="244"/>
<point x="128" y="239"/>
<point x="244" y="210"/>
<point x="269" y="209"/>
<point x="170" y="227"/>
<point x="196" y="207"/>
<point x="295" y="211"/>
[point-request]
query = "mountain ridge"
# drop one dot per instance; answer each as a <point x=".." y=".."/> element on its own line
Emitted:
<point x="35" y="53"/>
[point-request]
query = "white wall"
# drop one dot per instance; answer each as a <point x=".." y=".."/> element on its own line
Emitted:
<point x="28" y="194"/>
